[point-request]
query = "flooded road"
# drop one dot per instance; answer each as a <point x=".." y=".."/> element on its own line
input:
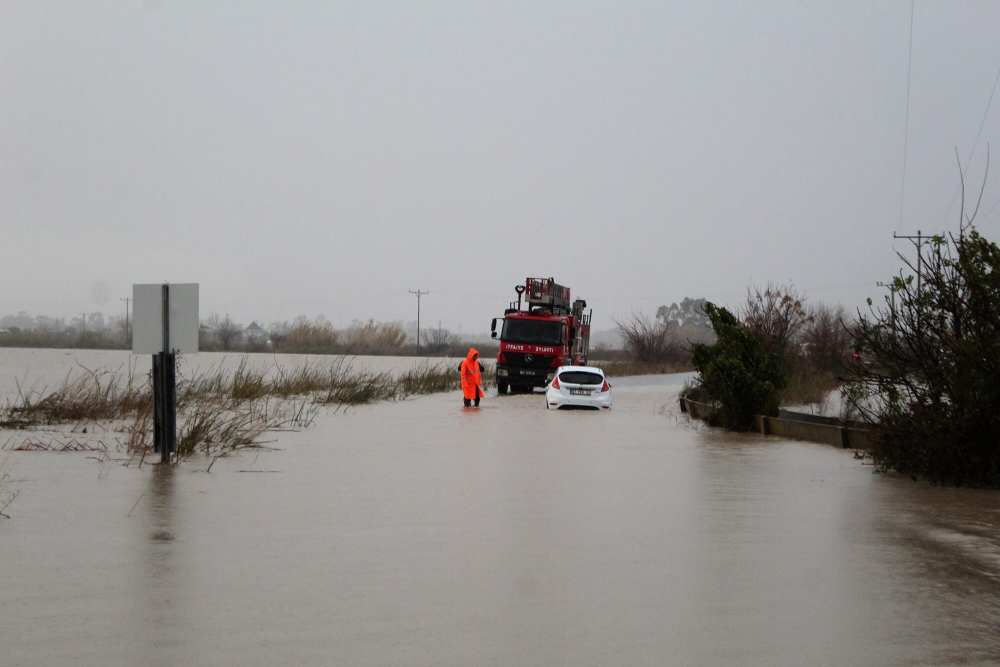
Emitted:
<point x="419" y="533"/>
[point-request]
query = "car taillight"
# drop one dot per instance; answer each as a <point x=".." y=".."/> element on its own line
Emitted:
<point x="555" y="383"/>
<point x="606" y="387"/>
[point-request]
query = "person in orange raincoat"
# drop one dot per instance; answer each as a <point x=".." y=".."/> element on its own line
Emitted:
<point x="472" y="378"/>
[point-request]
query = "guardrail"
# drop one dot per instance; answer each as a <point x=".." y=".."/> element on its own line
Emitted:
<point x="797" y="425"/>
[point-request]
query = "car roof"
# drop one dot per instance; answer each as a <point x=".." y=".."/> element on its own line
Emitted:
<point x="592" y="369"/>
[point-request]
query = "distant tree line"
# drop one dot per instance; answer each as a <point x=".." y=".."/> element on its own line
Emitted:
<point x="809" y="342"/>
<point x="319" y="336"/>
<point x="88" y="330"/>
<point x="94" y="322"/>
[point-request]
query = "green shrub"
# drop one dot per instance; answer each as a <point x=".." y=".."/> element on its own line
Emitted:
<point x="736" y="373"/>
<point x="928" y="372"/>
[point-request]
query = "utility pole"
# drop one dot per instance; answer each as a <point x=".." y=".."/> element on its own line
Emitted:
<point x="419" y="294"/>
<point x="892" y="294"/>
<point x="83" y="324"/>
<point x="918" y="241"/>
<point x="126" y="299"/>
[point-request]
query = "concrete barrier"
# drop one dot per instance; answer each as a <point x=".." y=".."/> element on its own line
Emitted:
<point x="819" y="419"/>
<point x="697" y="410"/>
<point x="798" y="426"/>
<point x="801" y="430"/>
<point x="859" y="438"/>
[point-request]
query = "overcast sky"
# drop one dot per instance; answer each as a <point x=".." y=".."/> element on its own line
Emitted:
<point x="308" y="158"/>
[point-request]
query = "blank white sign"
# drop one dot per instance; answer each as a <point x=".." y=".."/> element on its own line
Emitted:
<point x="147" y="318"/>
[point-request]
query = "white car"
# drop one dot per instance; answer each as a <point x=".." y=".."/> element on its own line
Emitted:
<point x="578" y="386"/>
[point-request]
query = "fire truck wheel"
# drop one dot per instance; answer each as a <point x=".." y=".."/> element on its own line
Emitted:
<point x="501" y="387"/>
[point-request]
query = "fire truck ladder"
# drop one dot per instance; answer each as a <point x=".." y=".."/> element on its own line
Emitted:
<point x="546" y="294"/>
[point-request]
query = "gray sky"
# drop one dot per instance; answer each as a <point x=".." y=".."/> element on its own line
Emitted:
<point x="307" y="158"/>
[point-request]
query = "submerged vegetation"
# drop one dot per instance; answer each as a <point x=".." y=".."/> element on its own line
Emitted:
<point x="219" y="410"/>
<point x="7" y="494"/>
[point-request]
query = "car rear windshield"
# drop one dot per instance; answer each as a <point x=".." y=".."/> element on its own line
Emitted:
<point x="581" y="377"/>
<point x="532" y="331"/>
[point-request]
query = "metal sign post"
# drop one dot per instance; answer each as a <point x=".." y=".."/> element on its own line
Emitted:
<point x="166" y="322"/>
<point x="165" y="390"/>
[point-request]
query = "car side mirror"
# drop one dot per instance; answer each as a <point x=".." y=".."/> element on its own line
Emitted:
<point x="493" y="326"/>
<point x="493" y="335"/>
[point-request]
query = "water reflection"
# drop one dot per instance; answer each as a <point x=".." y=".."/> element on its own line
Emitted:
<point x="158" y="612"/>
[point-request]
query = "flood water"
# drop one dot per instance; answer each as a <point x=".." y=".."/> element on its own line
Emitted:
<point x="421" y="533"/>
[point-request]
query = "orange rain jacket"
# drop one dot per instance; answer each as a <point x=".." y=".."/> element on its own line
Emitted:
<point x="472" y="375"/>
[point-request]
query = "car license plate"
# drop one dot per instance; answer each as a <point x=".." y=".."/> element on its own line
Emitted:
<point x="524" y="372"/>
<point x="579" y="392"/>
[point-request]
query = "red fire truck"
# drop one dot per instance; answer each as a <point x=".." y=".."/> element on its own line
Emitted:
<point x="548" y="333"/>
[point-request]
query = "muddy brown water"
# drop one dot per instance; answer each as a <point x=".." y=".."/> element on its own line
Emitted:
<point x="421" y="533"/>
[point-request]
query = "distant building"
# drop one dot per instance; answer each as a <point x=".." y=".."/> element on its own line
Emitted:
<point x="255" y="334"/>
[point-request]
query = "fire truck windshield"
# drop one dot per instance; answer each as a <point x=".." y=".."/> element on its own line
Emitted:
<point x="532" y="331"/>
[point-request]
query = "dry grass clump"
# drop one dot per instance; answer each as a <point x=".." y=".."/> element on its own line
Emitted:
<point x="209" y="429"/>
<point x="333" y="382"/>
<point x="360" y="390"/>
<point x="138" y="433"/>
<point x="336" y="382"/>
<point x="36" y="444"/>
<point x="96" y="395"/>
<point x="244" y="383"/>
<point x="429" y="379"/>
<point x="439" y="377"/>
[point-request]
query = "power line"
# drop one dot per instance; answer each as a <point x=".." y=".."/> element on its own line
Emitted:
<point x="906" y="129"/>
<point x="985" y="217"/>
<point x="492" y="296"/>
<point x="975" y="145"/>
